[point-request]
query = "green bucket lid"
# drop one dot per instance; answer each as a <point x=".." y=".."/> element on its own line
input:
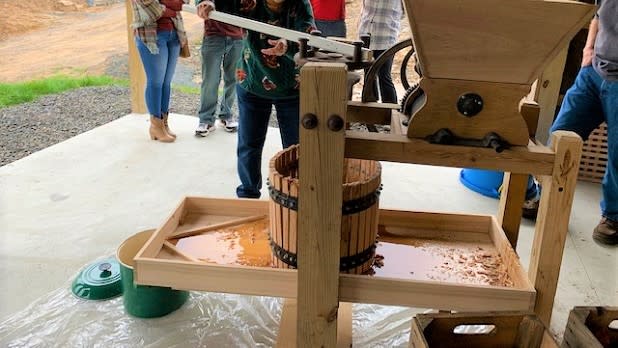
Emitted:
<point x="99" y="281"/>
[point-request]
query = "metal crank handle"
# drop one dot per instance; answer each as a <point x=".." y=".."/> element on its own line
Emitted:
<point x="288" y="34"/>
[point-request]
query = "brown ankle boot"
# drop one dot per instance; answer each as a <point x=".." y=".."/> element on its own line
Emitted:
<point x="167" y="127"/>
<point x="157" y="130"/>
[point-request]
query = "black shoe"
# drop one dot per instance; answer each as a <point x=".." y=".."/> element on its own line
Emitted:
<point x="530" y="208"/>
<point x="606" y="232"/>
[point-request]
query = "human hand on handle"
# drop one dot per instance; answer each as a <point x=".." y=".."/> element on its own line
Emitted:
<point x="279" y="47"/>
<point x="247" y="5"/>
<point x="204" y="9"/>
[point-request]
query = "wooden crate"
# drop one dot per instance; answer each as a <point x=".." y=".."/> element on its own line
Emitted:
<point x="594" y="156"/>
<point x="589" y="327"/>
<point x="359" y="220"/>
<point x="479" y="330"/>
<point x="420" y="266"/>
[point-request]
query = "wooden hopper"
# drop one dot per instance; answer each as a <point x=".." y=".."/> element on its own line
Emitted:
<point x="508" y="41"/>
<point x="491" y="50"/>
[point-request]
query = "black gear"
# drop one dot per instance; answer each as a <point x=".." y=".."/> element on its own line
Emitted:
<point x="408" y="101"/>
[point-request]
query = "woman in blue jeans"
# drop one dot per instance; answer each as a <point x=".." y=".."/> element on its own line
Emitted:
<point x="159" y="34"/>
<point x="267" y="76"/>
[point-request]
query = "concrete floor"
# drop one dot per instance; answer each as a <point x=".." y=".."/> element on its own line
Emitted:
<point x="69" y="204"/>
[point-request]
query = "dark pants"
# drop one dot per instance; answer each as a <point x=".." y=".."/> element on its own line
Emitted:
<point x="385" y="81"/>
<point x="331" y="28"/>
<point x="254" y="114"/>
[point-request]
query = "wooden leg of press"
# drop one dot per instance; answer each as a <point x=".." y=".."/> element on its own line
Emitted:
<point x="511" y="201"/>
<point x="323" y="107"/>
<point x="288" y="327"/>
<point x="553" y="220"/>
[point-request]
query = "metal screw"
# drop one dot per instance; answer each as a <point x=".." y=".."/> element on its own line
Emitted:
<point x="335" y="123"/>
<point x="310" y="121"/>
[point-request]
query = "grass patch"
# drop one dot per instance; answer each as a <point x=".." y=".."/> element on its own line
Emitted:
<point x="187" y="89"/>
<point x="23" y="92"/>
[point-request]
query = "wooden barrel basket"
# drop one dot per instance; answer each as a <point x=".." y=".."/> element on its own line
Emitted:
<point x="359" y="222"/>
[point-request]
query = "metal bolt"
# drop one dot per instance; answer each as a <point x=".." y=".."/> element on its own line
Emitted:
<point x="335" y="123"/>
<point x="310" y="121"/>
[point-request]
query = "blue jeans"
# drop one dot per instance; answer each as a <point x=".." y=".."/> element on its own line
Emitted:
<point x="388" y="94"/>
<point x="331" y="28"/>
<point x="218" y="50"/>
<point x="253" y="124"/>
<point x="590" y="101"/>
<point x="159" y="70"/>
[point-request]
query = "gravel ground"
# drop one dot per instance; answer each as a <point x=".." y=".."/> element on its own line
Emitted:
<point x="30" y="127"/>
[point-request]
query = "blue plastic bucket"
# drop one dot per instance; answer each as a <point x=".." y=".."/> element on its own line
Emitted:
<point x="488" y="182"/>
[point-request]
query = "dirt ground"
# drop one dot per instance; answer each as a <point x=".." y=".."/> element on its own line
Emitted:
<point x="39" y="38"/>
<point x="78" y="39"/>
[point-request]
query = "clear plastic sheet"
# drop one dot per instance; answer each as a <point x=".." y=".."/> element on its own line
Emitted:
<point x="60" y="319"/>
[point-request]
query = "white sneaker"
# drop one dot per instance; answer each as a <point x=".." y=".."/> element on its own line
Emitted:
<point x="229" y="125"/>
<point x="203" y="129"/>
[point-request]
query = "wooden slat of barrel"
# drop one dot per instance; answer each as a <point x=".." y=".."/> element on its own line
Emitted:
<point x="278" y="216"/>
<point x="345" y="243"/>
<point x="353" y="230"/>
<point x="285" y="212"/>
<point x="293" y="218"/>
<point x="362" y="216"/>
<point x="272" y="207"/>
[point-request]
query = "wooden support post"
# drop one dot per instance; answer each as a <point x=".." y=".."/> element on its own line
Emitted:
<point x="511" y="200"/>
<point x="287" y="325"/>
<point x="545" y="92"/>
<point x="553" y="220"/>
<point x="137" y="77"/>
<point x="323" y="103"/>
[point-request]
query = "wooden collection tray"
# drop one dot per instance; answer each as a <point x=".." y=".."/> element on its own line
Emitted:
<point x="428" y="260"/>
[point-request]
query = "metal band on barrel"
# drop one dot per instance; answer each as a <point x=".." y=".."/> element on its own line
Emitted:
<point x="345" y="263"/>
<point x="349" y="207"/>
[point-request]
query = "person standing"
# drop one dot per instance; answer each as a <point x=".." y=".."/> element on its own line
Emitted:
<point x="330" y="17"/>
<point x="266" y="76"/>
<point x="221" y="47"/>
<point x="159" y="34"/>
<point x="592" y="100"/>
<point x="382" y="20"/>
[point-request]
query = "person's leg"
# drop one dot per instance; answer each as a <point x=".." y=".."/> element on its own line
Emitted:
<point x="387" y="88"/>
<point x="580" y="112"/>
<point x="212" y="55"/>
<point x="154" y="67"/>
<point x="288" y="111"/>
<point x="173" y="51"/>
<point x="606" y="232"/>
<point x="254" y="113"/>
<point x="233" y="48"/>
<point x="331" y="28"/>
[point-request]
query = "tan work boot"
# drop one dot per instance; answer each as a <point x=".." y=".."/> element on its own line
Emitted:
<point x="157" y="131"/>
<point x="606" y="232"/>
<point x="167" y="127"/>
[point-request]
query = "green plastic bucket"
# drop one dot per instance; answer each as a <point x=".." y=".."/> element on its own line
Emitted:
<point x="144" y="301"/>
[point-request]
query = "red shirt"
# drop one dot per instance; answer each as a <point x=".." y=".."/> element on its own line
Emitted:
<point x="328" y="10"/>
<point x="216" y="28"/>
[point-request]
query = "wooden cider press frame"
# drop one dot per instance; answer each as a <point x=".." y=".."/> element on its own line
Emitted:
<point x="478" y="59"/>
